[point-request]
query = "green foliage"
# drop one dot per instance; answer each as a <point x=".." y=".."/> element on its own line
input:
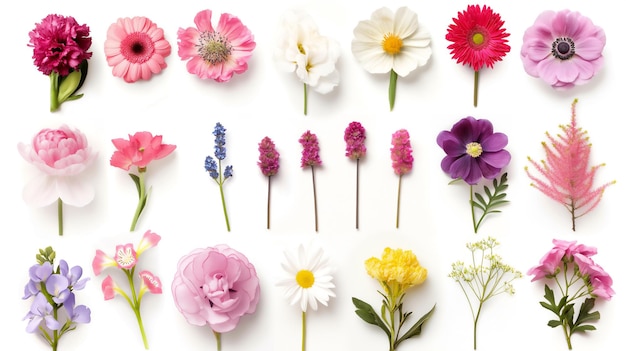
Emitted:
<point x="46" y="255"/>
<point x="494" y="200"/>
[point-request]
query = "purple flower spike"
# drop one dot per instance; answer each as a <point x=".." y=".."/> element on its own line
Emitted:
<point x="311" y="150"/>
<point x="58" y="287"/>
<point x="354" y="136"/>
<point x="40" y="311"/>
<point x="401" y="152"/>
<point x="268" y="157"/>
<point x="473" y="150"/>
<point x="77" y="314"/>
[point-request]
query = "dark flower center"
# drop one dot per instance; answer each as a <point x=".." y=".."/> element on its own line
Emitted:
<point x="214" y="48"/>
<point x="563" y="48"/>
<point x="137" y="47"/>
<point x="478" y="38"/>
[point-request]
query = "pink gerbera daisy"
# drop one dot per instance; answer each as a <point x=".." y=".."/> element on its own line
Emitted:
<point x="216" y="53"/>
<point x="136" y="48"/>
<point x="478" y="39"/>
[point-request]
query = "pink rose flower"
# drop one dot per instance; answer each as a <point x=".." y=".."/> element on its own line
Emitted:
<point x="215" y="286"/>
<point x="61" y="155"/>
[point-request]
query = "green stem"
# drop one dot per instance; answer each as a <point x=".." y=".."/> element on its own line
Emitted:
<point x="306" y="99"/>
<point x="269" y="182"/>
<point x="398" y="203"/>
<point x="142" y="199"/>
<point x="224" y="207"/>
<point x="472" y="207"/>
<point x="218" y="340"/>
<point x="476" y="88"/>
<point x="480" y="306"/>
<point x="54" y="91"/>
<point x="314" y="196"/>
<point x="357" y="193"/>
<point x="393" y="79"/>
<point x="60" y="215"/>
<point x="303" y="330"/>
<point x="568" y="337"/>
<point x="55" y="334"/>
<point x="136" y="305"/>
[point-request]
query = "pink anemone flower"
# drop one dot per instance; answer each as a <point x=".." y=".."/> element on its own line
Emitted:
<point x="136" y="48"/>
<point x="216" y="53"/>
<point x="563" y="48"/>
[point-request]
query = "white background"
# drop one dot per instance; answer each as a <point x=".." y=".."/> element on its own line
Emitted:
<point x="185" y="207"/>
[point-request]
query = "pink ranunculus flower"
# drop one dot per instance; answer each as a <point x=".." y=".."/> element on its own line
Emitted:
<point x="215" y="286"/>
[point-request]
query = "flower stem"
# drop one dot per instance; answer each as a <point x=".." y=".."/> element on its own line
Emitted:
<point x="480" y="306"/>
<point x="314" y="196"/>
<point x="142" y="199"/>
<point x="393" y="79"/>
<point x="218" y="340"/>
<point x="306" y="100"/>
<point x="303" y="330"/>
<point x="568" y="337"/>
<point x="398" y="204"/>
<point x="60" y="215"/>
<point x="472" y="207"/>
<point x="54" y="91"/>
<point x="136" y="305"/>
<point x="269" y="182"/>
<point x="475" y="88"/>
<point x="224" y="207"/>
<point x="357" y="193"/>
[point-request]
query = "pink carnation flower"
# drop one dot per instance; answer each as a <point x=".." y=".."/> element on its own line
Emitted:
<point x="563" y="48"/>
<point x="136" y="48"/>
<point x="216" y="53"/>
<point x="59" y="44"/>
<point x="215" y="286"/>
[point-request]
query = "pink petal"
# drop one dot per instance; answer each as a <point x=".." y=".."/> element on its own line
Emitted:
<point x="75" y="191"/>
<point x="148" y="240"/>
<point x="203" y="21"/>
<point x="151" y="282"/>
<point x="40" y="191"/>
<point x="589" y="48"/>
<point x="102" y="261"/>
<point x="108" y="288"/>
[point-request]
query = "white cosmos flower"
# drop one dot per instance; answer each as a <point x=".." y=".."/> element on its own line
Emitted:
<point x="391" y="41"/>
<point x="308" y="277"/>
<point x="301" y="48"/>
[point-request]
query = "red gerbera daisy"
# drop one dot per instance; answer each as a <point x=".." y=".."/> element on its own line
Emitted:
<point x="478" y="39"/>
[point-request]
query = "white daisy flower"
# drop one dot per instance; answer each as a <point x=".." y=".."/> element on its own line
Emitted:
<point x="308" y="277"/>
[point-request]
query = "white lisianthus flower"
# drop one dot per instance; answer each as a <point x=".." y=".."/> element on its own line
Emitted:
<point x="391" y="42"/>
<point x="303" y="50"/>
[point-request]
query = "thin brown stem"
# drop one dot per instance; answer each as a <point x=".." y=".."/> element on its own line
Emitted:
<point x="357" y="193"/>
<point x="269" y="182"/>
<point x="398" y="204"/>
<point x="314" y="196"/>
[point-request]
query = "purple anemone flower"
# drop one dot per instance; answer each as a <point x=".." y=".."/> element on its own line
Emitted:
<point x="473" y="150"/>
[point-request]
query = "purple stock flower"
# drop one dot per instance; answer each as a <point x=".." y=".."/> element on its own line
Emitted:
<point x="41" y="310"/>
<point x="268" y="157"/>
<point x="401" y="152"/>
<point x="77" y="314"/>
<point x="38" y="273"/>
<point x="58" y="287"/>
<point x="473" y="150"/>
<point x="73" y="275"/>
<point x="354" y="136"/>
<point x="310" y="150"/>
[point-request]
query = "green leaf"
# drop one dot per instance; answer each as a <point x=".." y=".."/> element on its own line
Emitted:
<point x="585" y="314"/>
<point x="554" y="323"/>
<point x="367" y="313"/>
<point x="549" y="295"/>
<point x="68" y="85"/>
<point x="493" y="200"/>
<point x="84" y="69"/>
<point x="416" y="329"/>
<point x="135" y="179"/>
<point x="583" y="328"/>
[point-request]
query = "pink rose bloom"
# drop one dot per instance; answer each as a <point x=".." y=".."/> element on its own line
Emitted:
<point x="563" y="48"/>
<point x="61" y="155"/>
<point x="215" y="286"/>
<point x="139" y="150"/>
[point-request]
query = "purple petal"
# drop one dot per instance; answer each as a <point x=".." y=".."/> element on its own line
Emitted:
<point x="499" y="159"/>
<point x="453" y="148"/>
<point x="494" y="142"/>
<point x="464" y="130"/>
<point x="460" y="167"/>
<point x="474" y="174"/>
<point x="489" y="172"/>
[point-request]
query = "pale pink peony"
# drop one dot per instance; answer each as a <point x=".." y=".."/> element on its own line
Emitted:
<point x="215" y="287"/>
<point x="136" y="48"/>
<point x="61" y="155"/>
<point x="216" y="53"/>
<point x="563" y="48"/>
<point x="139" y="150"/>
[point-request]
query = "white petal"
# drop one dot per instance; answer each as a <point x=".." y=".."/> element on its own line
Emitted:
<point x="75" y="191"/>
<point x="40" y="191"/>
<point x="405" y="23"/>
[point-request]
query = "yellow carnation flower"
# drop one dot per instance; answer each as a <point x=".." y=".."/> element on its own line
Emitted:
<point x="396" y="270"/>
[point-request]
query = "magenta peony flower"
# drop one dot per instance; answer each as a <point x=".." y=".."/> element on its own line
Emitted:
<point x="215" y="286"/>
<point x="569" y="267"/>
<point x="61" y="155"/>
<point x="473" y="150"/>
<point x="60" y="50"/>
<point x="563" y="48"/>
<point x="216" y="53"/>
<point x="136" y="48"/>
<point x="139" y="150"/>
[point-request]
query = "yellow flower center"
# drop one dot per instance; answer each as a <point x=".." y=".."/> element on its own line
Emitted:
<point x="478" y="38"/>
<point x="301" y="49"/>
<point x="392" y="44"/>
<point x="305" y="278"/>
<point x="474" y="149"/>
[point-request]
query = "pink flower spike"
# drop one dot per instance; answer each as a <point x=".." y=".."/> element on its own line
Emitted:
<point x="109" y="288"/>
<point x="401" y="152"/>
<point x="125" y="256"/>
<point x="268" y="157"/>
<point x="148" y="240"/>
<point x="354" y="136"/>
<point x="149" y="282"/>
<point x="102" y="261"/>
<point x="310" y="150"/>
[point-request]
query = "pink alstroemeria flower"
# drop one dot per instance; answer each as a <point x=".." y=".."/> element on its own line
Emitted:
<point x="109" y="288"/>
<point x="150" y="282"/>
<point x="148" y="240"/>
<point x="125" y="256"/>
<point x="102" y="261"/>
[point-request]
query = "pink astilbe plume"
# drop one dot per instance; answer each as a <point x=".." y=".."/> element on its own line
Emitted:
<point x="568" y="178"/>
